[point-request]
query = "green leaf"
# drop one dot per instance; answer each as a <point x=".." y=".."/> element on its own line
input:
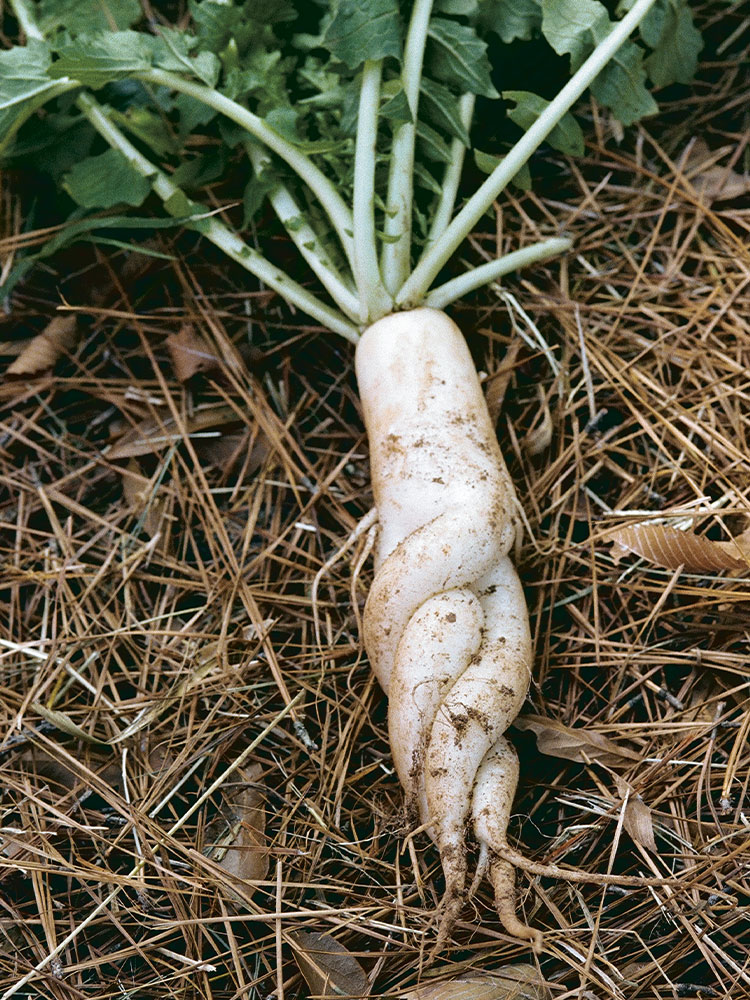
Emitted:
<point x="147" y="126"/>
<point x="100" y="59"/>
<point x="432" y="145"/>
<point x="487" y="162"/>
<point x="105" y="181"/>
<point x="363" y="30"/>
<point x="441" y="109"/>
<point x="171" y="51"/>
<point x="511" y="19"/>
<point x="566" y="136"/>
<point x="395" y="108"/>
<point x="255" y="193"/>
<point x="252" y="76"/>
<point x="621" y="86"/>
<point x="457" y="56"/>
<point x="669" y="30"/>
<point x="575" y="27"/>
<point x="201" y="169"/>
<point x="88" y="15"/>
<point x="455" y="6"/>
<point x="23" y="73"/>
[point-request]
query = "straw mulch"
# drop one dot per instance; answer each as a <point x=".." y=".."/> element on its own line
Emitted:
<point x="175" y="471"/>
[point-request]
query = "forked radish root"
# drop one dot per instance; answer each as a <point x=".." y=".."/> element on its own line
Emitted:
<point x="445" y="624"/>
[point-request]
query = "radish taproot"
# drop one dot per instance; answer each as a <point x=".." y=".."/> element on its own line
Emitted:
<point x="445" y="624"/>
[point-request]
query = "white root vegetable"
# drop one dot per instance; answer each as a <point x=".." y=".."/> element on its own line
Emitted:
<point x="445" y="624"/>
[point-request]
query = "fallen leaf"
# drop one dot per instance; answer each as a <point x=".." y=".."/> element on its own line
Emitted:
<point x="637" y="820"/>
<point x="330" y="970"/>
<point x="712" y="181"/>
<point x="239" y="840"/>
<point x="153" y="435"/>
<point x="514" y="982"/>
<point x="191" y="354"/>
<point x="671" y="548"/>
<point x="224" y="452"/>
<point x="558" y="740"/>
<point x="65" y="724"/>
<point x="58" y="337"/>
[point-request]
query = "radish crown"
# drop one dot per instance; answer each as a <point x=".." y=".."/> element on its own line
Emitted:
<point x="355" y="117"/>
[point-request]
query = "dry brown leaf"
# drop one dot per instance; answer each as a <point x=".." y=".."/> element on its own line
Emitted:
<point x="240" y="845"/>
<point x="557" y="740"/>
<point x="151" y="435"/>
<point x="712" y="181"/>
<point x="330" y="970"/>
<point x="637" y="820"/>
<point x="672" y="548"/>
<point x="190" y="353"/>
<point x="225" y="452"/>
<point x="58" y="337"/>
<point x="514" y="982"/>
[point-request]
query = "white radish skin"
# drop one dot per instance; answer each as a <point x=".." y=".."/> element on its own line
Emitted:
<point x="478" y="709"/>
<point x="438" y="643"/>
<point x="445" y="624"/>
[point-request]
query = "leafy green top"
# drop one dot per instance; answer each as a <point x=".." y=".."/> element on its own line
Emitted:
<point x="299" y="73"/>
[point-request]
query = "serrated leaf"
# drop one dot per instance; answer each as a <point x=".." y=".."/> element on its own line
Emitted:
<point x="670" y="31"/>
<point x="511" y="19"/>
<point x="442" y="110"/>
<point x="328" y="967"/>
<point x="556" y="739"/>
<point x="171" y="50"/>
<point x="105" y="181"/>
<point x="363" y="31"/>
<point x="575" y="27"/>
<point x="457" y="56"/>
<point x="566" y="136"/>
<point x="100" y="59"/>
<point x="88" y="15"/>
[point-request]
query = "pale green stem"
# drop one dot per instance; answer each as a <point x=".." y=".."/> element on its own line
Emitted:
<point x="396" y="254"/>
<point x="304" y="237"/>
<point x="451" y="177"/>
<point x="374" y="300"/>
<point x="467" y="282"/>
<point x="24" y="16"/>
<point x="415" y="288"/>
<point x="323" y="189"/>
<point x="215" y="231"/>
